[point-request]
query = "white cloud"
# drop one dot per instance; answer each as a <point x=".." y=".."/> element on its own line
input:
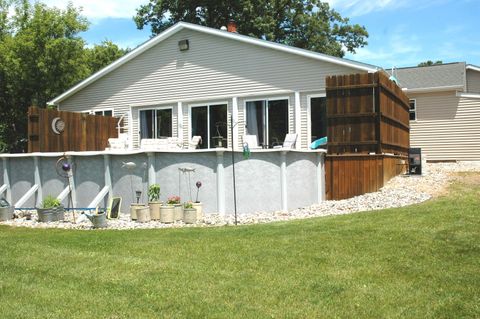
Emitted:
<point x="100" y="9"/>
<point x="361" y="7"/>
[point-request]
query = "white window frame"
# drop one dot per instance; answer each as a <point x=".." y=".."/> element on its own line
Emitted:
<point x="414" y="109"/>
<point x="266" y="99"/>
<point x="92" y="111"/>
<point x="147" y="108"/>
<point x="309" y="114"/>
<point x="207" y="104"/>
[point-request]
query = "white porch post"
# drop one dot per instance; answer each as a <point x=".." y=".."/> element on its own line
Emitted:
<point x="107" y="176"/>
<point x="298" y="121"/>
<point x="6" y="179"/>
<point x="220" y="183"/>
<point x="180" y="121"/>
<point x="151" y="168"/>
<point x="283" y="179"/>
<point x="320" y="177"/>
<point x="71" y="181"/>
<point x="37" y="180"/>
<point x="235" y="121"/>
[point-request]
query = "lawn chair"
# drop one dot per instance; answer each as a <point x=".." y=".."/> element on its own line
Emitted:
<point x="251" y="141"/>
<point x="289" y="142"/>
<point x="195" y="142"/>
<point x="118" y="144"/>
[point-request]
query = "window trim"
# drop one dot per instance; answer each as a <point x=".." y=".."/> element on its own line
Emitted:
<point x="414" y="109"/>
<point x="207" y="104"/>
<point x="309" y="114"/>
<point x="92" y="111"/>
<point x="147" y="108"/>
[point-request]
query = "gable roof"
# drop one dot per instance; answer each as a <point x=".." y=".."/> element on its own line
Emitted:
<point x="225" y="34"/>
<point x="434" y="77"/>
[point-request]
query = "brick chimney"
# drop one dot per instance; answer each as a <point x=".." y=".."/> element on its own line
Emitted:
<point x="232" y="26"/>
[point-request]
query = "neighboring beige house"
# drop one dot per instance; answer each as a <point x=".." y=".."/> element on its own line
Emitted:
<point x="190" y="78"/>
<point x="445" y="110"/>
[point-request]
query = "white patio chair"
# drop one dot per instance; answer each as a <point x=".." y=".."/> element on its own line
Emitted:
<point x="194" y="143"/>
<point x="289" y="142"/>
<point x="251" y="141"/>
<point x="120" y="143"/>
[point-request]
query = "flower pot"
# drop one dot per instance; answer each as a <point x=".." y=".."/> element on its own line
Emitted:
<point x="178" y="212"/>
<point x="133" y="210"/>
<point x="190" y="215"/>
<point x="155" y="210"/>
<point x="60" y="213"/>
<point x="198" y="207"/>
<point x="167" y="214"/>
<point x="6" y="213"/>
<point x="47" y="215"/>
<point x="143" y="214"/>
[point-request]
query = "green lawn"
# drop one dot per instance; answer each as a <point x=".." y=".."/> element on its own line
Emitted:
<point x="421" y="261"/>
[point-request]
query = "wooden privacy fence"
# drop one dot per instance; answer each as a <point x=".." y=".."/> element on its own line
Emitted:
<point x="366" y="113"/>
<point x="60" y="131"/>
<point x="368" y="133"/>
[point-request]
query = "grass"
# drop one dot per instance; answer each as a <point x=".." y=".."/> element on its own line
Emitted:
<point x="421" y="261"/>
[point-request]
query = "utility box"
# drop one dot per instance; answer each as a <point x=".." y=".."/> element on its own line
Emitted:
<point x="415" y="161"/>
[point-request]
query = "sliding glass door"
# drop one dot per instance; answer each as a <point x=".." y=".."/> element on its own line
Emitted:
<point x="268" y="120"/>
<point x="318" y="118"/>
<point x="210" y="122"/>
<point x="155" y="123"/>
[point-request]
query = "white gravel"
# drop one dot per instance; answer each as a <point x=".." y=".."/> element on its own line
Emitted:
<point x="400" y="191"/>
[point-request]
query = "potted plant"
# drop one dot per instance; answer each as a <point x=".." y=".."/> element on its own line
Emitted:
<point x="178" y="208"/>
<point x="154" y="201"/>
<point x="51" y="210"/>
<point x="189" y="213"/>
<point x="197" y="204"/>
<point x="167" y="211"/>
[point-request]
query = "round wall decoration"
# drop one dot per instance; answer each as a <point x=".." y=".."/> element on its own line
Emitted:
<point x="58" y="125"/>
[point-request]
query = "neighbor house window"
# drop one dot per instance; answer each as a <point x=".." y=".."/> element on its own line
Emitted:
<point x="102" y="112"/>
<point x="210" y="122"/>
<point x="413" y="110"/>
<point x="156" y="123"/>
<point x="268" y="120"/>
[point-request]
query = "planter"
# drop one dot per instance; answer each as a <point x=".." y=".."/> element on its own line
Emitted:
<point x="190" y="215"/>
<point x="6" y="213"/>
<point x="198" y="207"/>
<point x="133" y="210"/>
<point x="143" y="214"/>
<point x="178" y="212"/>
<point x="98" y="220"/>
<point x="47" y="215"/>
<point x="155" y="210"/>
<point x="167" y="214"/>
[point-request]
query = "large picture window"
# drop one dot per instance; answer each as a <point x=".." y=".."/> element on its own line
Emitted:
<point x="210" y="122"/>
<point x="268" y="120"/>
<point x="156" y="123"/>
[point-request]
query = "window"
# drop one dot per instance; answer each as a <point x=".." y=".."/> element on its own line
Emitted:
<point x="268" y="120"/>
<point x="155" y="123"/>
<point x="102" y="112"/>
<point x="413" y="110"/>
<point x="318" y="118"/>
<point x="210" y="122"/>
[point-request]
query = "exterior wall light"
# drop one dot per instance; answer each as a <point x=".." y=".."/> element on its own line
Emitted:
<point x="183" y="45"/>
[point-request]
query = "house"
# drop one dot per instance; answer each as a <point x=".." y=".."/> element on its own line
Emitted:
<point x="191" y="80"/>
<point x="444" y="109"/>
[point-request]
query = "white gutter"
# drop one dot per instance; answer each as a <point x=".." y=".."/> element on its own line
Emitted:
<point x="469" y="95"/>
<point x="473" y="67"/>
<point x="434" y="89"/>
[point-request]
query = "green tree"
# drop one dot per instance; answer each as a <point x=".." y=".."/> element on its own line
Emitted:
<point x="103" y="54"/>
<point x="308" y="24"/>
<point x="430" y="63"/>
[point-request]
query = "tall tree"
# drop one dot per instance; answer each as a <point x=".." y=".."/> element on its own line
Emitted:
<point x="430" y="63"/>
<point x="308" y="24"/>
<point x="41" y="56"/>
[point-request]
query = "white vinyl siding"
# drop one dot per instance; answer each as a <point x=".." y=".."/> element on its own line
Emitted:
<point x="212" y="69"/>
<point x="447" y="127"/>
<point x="473" y="81"/>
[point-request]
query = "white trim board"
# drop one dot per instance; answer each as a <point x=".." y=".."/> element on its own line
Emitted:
<point x="434" y="89"/>
<point x="473" y="67"/>
<point x="468" y="95"/>
<point x="229" y="35"/>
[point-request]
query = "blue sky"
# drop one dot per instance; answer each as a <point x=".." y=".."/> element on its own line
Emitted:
<point x="402" y="32"/>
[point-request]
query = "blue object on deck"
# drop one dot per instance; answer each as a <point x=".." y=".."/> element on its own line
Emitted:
<point x="317" y="143"/>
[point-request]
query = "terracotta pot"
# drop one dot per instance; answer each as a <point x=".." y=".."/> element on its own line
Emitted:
<point x="167" y="214"/>
<point x="198" y="207"/>
<point x="190" y="215"/>
<point x="155" y="210"/>
<point x="133" y="210"/>
<point x="143" y="214"/>
<point x="178" y="211"/>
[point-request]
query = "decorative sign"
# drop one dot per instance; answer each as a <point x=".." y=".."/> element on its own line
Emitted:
<point x="58" y="125"/>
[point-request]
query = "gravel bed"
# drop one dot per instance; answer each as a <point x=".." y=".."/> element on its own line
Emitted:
<point x="399" y="191"/>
